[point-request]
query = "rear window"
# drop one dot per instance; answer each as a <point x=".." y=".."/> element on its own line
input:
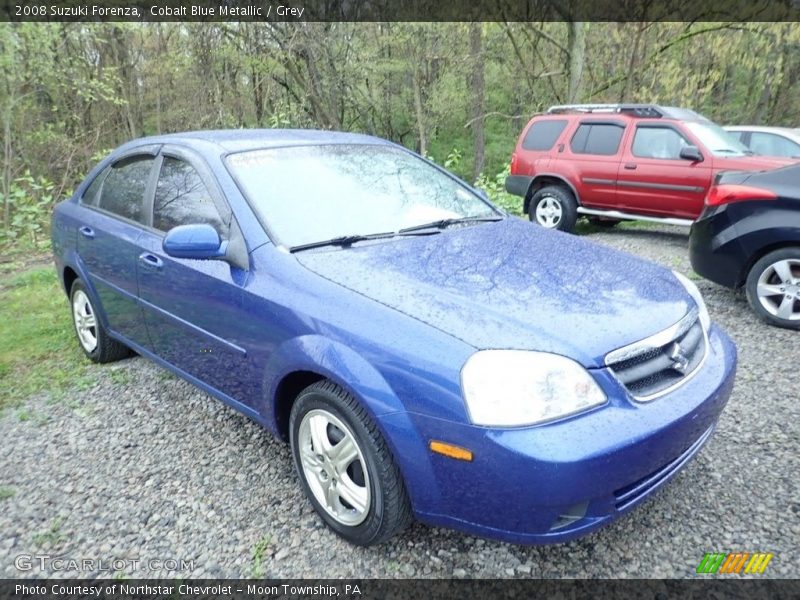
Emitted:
<point x="92" y="193"/>
<point x="124" y="187"/>
<point x="543" y="134"/>
<point x="597" y="138"/>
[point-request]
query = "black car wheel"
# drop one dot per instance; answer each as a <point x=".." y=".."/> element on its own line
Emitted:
<point x="773" y="288"/>
<point x="345" y="467"/>
<point x="92" y="336"/>
<point x="554" y="207"/>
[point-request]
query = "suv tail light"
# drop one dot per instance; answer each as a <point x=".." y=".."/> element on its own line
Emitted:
<point x="514" y="163"/>
<point x="727" y="193"/>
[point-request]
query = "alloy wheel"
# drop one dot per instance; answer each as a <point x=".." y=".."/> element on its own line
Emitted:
<point x="778" y="289"/>
<point x="334" y="467"/>
<point x="85" y="320"/>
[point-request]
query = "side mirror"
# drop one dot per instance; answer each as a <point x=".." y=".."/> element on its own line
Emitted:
<point x="199" y="241"/>
<point x="691" y="153"/>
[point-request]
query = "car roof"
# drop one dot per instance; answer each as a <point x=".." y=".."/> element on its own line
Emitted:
<point x="630" y="111"/>
<point x="786" y="131"/>
<point x="240" y="140"/>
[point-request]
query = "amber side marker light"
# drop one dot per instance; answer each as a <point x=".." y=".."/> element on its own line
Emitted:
<point x="450" y="450"/>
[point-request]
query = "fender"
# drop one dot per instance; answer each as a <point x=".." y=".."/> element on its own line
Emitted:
<point x="74" y="262"/>
<point x="353" y="373"/>
<point x="332" y="360"/>
<point x="520" y="185"/>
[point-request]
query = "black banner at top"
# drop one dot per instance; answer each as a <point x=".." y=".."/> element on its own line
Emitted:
<point x="398" y="10"/>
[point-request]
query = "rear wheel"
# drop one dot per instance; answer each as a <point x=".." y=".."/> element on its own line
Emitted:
<point x="554" y="207"/>
<point x="92" y="336"/>
<point x="773" y="288"/>
<point x="345" y="466"/>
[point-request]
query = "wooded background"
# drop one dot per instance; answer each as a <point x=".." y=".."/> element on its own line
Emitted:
<point x="457" y="92"/>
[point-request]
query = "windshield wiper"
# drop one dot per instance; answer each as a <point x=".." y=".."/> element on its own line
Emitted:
<point x="443" y="223"/>
<point x="342" y="240"/>
<point x="349" y="240"/>
<point x="727" y="151"/>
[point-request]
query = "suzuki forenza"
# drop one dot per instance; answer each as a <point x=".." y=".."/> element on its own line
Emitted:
<point x="426" y="355"/>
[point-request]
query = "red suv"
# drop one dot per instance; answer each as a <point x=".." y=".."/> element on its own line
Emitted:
<point x="612" y="162"/>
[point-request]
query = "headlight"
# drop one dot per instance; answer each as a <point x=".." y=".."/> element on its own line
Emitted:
<point x="516" y="387"/>
<point x="694" y="292"/>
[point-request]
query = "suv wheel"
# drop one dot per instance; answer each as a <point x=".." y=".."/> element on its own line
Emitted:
<point x="773" y="288"/>
<point x="554" y="207"/>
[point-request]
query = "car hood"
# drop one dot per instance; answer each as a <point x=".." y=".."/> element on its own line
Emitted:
<point x="513" y="285"/>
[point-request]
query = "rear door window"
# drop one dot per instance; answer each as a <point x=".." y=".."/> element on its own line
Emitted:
<point x="124" y="188"/>
<point x="597" y="138"/>
<point x="92" y="193"/>
<point x="542" y="135"/>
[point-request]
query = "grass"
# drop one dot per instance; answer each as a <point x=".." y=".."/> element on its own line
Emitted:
<point x="7" y="492"/>
<point x="51" y="537"/>
<point x="259" y="550"/>
<point x="38" y="351"/>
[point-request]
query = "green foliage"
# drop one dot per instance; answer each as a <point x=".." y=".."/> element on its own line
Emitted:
<point x="29" y="202"/>
<point x="68" y="91"/>
<point x="38" y="351"/>
<point x="51" y="537"/>
<point x="496" y="189"/>
<point x="259" y="552"/>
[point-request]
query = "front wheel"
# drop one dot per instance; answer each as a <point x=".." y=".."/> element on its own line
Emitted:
<point x="773" y="288"/>
<point x="345" y="466"/>
<point x="554" y="207"/>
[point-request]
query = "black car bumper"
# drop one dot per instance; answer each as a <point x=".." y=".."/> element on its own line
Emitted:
<point x="714" y="249"/>
<point x="518" y="184"/>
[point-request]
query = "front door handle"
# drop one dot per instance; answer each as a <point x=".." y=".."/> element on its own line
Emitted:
<point x="151" y="260"/>
<point x="87" y="232"/>
<point x="630" y="166"/>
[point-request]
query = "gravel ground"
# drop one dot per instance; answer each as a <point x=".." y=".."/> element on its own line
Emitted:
<point x="145" y="466"/>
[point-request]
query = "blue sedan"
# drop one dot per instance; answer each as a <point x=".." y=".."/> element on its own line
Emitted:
<point x="424" y="354"/>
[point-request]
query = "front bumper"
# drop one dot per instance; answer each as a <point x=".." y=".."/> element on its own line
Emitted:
<point x="555" y="482"/>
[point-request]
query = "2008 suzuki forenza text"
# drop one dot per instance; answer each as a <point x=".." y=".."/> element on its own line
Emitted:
<point x="426" y="355"/>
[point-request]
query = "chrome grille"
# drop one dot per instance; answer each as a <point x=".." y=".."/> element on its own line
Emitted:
<point x="655" y="365"/>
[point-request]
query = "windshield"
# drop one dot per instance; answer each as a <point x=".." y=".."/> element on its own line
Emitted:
<point x="307" y="194"/>
<point x="718" y="141"/>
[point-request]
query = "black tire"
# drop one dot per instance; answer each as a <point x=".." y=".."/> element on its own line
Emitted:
<point x="558" y="205"/>
<point x="603" y="222"/>
<point x="106" y="349"/>
<point x="388" y="510"/>
<point x="764" y="271"/>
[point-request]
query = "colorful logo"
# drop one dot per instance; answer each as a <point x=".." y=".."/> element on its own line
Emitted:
<point x="734" y="562"/>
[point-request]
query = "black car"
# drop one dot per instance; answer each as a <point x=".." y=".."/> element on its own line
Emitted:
<point x="749" y="235"/>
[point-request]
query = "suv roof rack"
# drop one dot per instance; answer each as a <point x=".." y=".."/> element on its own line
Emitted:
<point x="636" y="110"/>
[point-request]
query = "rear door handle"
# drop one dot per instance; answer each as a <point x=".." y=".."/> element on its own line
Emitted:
<point x="151" y="260"/>
<point x="87" y="232"/>
<point x="630" y="166"/>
